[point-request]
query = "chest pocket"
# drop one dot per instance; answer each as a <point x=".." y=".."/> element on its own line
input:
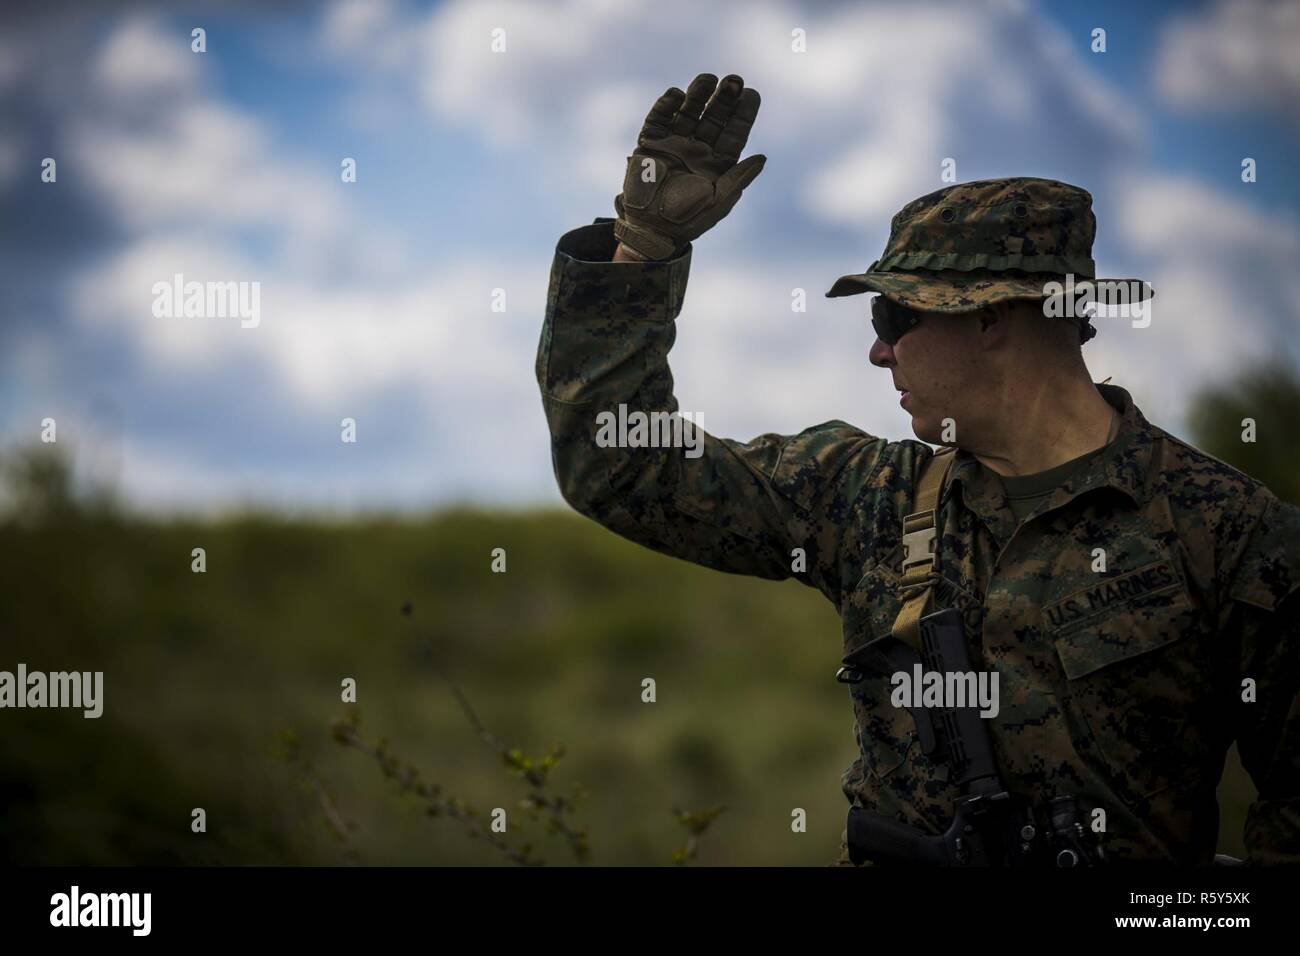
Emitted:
<point x="885" y="733"/>
<point x="1135" y="681"/>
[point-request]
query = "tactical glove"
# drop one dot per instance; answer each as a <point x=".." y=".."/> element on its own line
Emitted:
<point x="684" y="175"/>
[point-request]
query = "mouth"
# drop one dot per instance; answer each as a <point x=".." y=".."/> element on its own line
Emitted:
<point x="902" y="399"/>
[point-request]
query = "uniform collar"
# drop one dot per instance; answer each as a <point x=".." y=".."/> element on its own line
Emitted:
<point x="1123" y="466"/>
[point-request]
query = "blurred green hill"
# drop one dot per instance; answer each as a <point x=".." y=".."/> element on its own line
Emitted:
<point x="204" y="671"/>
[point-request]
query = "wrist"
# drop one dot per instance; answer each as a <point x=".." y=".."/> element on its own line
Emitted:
<point x="623" y="253"/>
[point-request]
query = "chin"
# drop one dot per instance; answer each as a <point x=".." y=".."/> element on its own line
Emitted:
<point x="926" y="430"/>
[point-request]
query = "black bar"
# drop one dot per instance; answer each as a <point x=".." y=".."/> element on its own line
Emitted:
<point x="425" y="905"/>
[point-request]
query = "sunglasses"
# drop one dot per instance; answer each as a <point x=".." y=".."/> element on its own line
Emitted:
<point x="891" y="320"/>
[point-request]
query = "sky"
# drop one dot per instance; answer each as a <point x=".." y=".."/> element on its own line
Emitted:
<point x="376" y="296"/>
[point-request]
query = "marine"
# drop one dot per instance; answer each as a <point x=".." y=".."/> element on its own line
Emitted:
<point x="1135" y="596"/>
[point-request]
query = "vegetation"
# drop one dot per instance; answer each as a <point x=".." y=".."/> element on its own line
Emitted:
<point x="212" y="680"/>
<point x="223" y="688"/>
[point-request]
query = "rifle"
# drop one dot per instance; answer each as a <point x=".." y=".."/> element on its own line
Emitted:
<point x="990" y="826"/>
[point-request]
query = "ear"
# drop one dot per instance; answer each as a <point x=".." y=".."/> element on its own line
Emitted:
<point x="995" y="324"/>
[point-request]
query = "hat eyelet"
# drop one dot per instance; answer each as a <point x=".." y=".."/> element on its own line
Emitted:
<point x="1020" y="212"/>
<point x="947" y="215"/>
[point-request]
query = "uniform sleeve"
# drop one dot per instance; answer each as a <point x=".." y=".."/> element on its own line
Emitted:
<point x="1265" y="594"/>
<point x="740" y="507"/>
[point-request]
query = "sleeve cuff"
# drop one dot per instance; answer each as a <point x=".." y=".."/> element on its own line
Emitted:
<point x="583" y="256"/>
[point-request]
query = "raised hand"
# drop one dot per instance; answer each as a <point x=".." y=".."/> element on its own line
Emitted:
<point x="685" y="173"/>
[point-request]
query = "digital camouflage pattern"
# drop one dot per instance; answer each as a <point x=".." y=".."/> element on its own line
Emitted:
<point x="1122" y="687"/>
<point x="970" y="245"/>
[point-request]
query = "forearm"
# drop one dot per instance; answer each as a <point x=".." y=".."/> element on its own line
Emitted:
<point x="605" y="344"/>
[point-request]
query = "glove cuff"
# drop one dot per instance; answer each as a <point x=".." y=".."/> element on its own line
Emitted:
<point x="649" y="244"/>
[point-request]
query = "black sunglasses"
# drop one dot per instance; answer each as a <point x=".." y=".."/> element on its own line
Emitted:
<point x="891" y="320"/>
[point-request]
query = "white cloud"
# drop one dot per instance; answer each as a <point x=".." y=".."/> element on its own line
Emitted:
<point x="324" y="345"/>
<point x="116" y="298"/>
<point x="853" y="129"/>
<point x="185" y="180"/>
<point x="157" y="478"/>
<point x="201" y="160"/>
<point x="1226" y="287"/>
<point x="370" y="33"/>
<point x="1159" y="208"/>
<point x="914" y="80"/>
<point x="861" y="121"/>
<point x="1244" y="52"/>
<point x="499" y="93"/>
<point x="141" y="58"/>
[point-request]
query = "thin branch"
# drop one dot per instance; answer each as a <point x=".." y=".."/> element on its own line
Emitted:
<point x="534" y="774"/>
<point x="408" y="781"/>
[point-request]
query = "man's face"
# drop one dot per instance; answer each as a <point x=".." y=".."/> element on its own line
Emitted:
<point x="936" y="366"/>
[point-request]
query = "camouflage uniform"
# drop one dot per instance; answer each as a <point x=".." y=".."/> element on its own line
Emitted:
<point x="1122" y="687"/>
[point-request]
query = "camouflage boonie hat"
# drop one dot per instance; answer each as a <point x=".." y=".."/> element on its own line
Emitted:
<point x="970" y="245"/>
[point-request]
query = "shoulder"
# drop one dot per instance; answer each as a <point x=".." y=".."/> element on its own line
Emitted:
<point x="1253" y="536"/>
<point x="1269" y="569"/>
<point x="1195" y="478"/>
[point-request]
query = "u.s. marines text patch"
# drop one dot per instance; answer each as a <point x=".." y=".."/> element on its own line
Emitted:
<point x="1084" y="603"/>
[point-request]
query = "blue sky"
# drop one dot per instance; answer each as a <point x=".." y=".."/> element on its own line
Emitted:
<point x="225" y="166"/>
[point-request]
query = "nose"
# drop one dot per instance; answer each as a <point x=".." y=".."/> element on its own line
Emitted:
<point x="881" y="355"/>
